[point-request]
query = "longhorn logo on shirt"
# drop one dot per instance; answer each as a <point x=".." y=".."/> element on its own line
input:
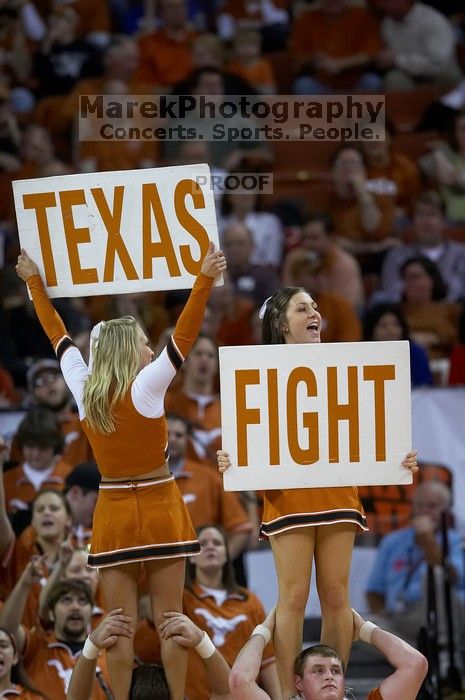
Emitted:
<point x="220" y="625"/>
<point x="64" y="673"/>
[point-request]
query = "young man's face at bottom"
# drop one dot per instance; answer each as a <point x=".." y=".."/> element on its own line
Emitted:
<point x="323" y="679"/>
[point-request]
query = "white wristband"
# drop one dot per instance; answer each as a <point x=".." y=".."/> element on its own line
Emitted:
<point x="366" y="630"/>
<point x="89" y="650"/>
<point x="263" y="631"/>
<point x="205" y="648"/>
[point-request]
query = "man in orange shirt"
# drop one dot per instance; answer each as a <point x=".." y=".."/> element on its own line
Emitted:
<point x="49" y="658"/>
<point x="40" y="441"/>
<point x="339" y="321"/>
<point x="334" y="47"/>
<point x="166" y="53"/>
<point x="335" y="270"/>
<point x="202" y="490"/>
<point x="363" y="219"/>
<point x="198" y="401"/>
<point x="392" y="175"/>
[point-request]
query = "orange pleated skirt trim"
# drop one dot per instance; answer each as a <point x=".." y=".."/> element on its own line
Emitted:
<point x="294" y="508"/>
<point x="140" y="520"/>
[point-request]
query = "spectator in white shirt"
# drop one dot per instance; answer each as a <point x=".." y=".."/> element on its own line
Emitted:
<point x="420" y="46"/>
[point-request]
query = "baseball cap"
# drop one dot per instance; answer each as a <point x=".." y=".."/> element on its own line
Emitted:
<point x="39" y="367"/>
<point x="86" y="475"/>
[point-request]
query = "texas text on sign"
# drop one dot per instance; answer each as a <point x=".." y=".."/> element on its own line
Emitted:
<point x="334" y="414"/>
<point x="117" y="232"/>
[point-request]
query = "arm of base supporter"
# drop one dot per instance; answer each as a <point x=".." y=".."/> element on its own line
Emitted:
<point x="217" y="673"/>
<point x="82" y="679"/>
<point x="243" y="676"/>
<point x="189" y="322"/>
<point x="49" y="318"/>
<point x="113" y="626"/>
<point x="410" y="666"/>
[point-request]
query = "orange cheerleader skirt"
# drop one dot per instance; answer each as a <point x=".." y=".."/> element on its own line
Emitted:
<point x="140" y="520"/>
<point x="291" y="508"/>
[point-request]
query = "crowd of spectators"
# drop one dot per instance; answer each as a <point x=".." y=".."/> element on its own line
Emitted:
<point x="375" y="234"/>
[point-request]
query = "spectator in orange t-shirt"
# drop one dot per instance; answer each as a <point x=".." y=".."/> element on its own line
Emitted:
<point x="231" y="315"/>
<point x="197" y="400"/>
<point x="270" y="18"/>
<point x="363" y="219"/>
<point x="334" y="47"/>
<point x="40" y="441"/>
<point x="112" y="153"/>
<point x="202" y="490"/>
<point x="432" y="320"/>
<point x="166" y="53"/>
<point x="120" y="62"/>
<point x="80" y="491"/>
<point x="38" y="155"/>
<point x="249" y="64"/>
<point x="51" y="520"/>
<point x="336" y="270"/>
<point x="339" y="322"/>
<point x="13" y="678"/>
<point x="391" y="174"/>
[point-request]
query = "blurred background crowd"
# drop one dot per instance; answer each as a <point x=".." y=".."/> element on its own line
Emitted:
<point x="374" y="230"/>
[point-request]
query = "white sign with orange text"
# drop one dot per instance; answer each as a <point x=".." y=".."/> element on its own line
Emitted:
<point x="117" y="232"/>
<point x="315" y="415"/>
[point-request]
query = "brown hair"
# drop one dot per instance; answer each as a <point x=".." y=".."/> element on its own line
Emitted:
<point x="18" y="673"/>
<point x="315" y="650"/>
<point x="66" y="586"/>
<point x="228" y="578"/>
<point x="275" y="314"/>
<point x="60" y="495"/>
<point x="40" y="427"/>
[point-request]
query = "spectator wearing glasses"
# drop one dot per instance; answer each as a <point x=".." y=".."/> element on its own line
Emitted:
<point x="48" y="389"/>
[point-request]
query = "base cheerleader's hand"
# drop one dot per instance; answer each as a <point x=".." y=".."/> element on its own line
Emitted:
<point x="223" y="460"/>
<point x="25" y="267"/>
<point x="410" y="462"/>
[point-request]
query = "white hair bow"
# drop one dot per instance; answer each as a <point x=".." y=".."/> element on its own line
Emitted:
<point x="261" y="313"/>
<point x="93" y="343"/>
